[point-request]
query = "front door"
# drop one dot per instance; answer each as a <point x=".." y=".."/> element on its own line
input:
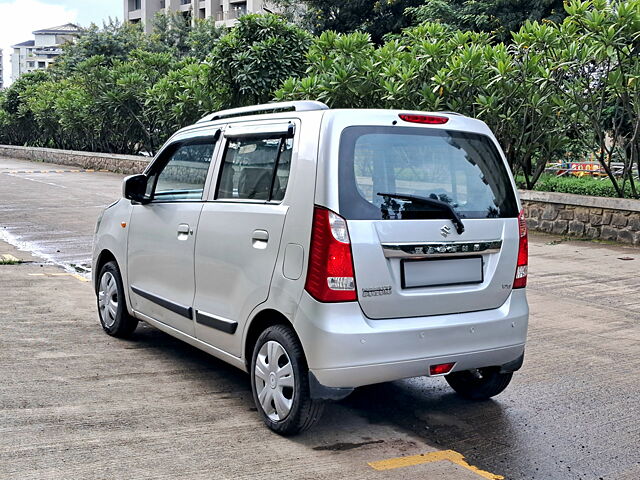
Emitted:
<point x="161" y="234"/>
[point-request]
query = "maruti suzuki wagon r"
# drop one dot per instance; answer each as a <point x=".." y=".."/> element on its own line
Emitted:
<point x="321" y="250"/>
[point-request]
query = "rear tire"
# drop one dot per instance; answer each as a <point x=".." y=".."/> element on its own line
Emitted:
<point x="479" y="384"/>
<point x="112" y="306"/>
<point x="280" y="382"/>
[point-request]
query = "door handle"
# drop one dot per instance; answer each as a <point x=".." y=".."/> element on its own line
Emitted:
<point x="184" y="231"/>
<point x="260" y="239"/>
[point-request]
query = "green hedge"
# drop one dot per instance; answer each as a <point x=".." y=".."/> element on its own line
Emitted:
<point x="595" y="187"/>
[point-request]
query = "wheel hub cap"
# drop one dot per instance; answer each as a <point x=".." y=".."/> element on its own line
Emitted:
<point x="274" y="380"/>
<point x="108" y="299"/>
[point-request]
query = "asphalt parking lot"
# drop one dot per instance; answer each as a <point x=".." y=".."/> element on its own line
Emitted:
<point x="75" y="403"/>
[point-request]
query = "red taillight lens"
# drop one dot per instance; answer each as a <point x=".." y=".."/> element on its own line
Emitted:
<point x="330" y="277"/>
<point x="441" y="369"/>
<point x="424" y="119"/>
<point x="523" y="254"/>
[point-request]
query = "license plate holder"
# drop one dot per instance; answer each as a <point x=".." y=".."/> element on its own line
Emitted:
<point x="442" y="272"/>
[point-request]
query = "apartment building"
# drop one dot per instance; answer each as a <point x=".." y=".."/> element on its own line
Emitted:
<point x="43" y="50"/>
<point x="1" y="70"/>
<point x="226" y="12"/>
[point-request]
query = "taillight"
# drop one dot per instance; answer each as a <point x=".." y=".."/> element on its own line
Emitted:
<point x="330" y="276"/>
<point x="424" y="119"/>
<point x="523" y="254"/>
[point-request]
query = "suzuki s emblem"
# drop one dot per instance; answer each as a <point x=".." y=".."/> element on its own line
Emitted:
<point x="445" y="231"/>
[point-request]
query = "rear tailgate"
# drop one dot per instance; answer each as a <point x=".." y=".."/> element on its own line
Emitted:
<point x="432" y="217"/>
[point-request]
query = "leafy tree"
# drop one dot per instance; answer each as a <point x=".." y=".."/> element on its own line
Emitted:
<point x="114" y="42"/>
<point x="17" y="124"/>
<point x="172" y="30"/>
<point x="203" y="37"/>
<point x="593" y="63"/>
<point x="375" y="17"/>
<point x="498" y="17"/>
<point x="255" y="57"/>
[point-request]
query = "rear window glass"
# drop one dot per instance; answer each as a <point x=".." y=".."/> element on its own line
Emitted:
<point x="461" y="169"/>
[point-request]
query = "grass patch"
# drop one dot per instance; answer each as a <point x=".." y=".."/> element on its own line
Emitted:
<point x="9" y="260"/>
<point x="594" y="187"/>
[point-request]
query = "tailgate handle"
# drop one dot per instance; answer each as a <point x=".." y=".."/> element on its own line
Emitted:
<point x="442" y="249"/>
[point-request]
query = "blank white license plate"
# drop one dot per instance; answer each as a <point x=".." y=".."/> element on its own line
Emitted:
<point x="441" y="272"/>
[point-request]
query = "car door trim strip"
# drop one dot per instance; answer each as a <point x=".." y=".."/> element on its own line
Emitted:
<point x="181" y="310"/>
<point x="219" y="323"/>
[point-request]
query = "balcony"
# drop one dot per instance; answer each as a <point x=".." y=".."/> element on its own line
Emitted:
<point x="231" y="14"/>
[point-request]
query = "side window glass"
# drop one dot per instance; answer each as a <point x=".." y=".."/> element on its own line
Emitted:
<point x="255" y="169"/>
<point x="184" y="175"/>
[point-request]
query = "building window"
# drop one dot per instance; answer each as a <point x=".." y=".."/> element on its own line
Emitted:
<point x="42" y="65"/>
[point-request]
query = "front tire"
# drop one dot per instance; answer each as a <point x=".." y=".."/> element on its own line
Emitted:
<point x="479" y="384"/>
<point x="112" y="307"/>
<point x="280" y="382"/>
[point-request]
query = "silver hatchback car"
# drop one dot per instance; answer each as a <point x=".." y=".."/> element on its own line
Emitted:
<point x="321" y="250"/>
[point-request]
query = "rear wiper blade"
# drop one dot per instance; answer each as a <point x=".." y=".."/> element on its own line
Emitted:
<point x="455" y="218"/>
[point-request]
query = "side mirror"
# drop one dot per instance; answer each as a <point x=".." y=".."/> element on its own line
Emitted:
<point x="134" y="188"/>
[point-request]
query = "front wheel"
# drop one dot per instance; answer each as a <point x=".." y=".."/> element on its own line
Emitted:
<point x="112" y="308"/>
<point x="480" y="383"/>
<point x="280" y="382"/>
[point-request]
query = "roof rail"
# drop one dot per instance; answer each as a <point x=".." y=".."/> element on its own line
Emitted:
<point x="298" y="106"/>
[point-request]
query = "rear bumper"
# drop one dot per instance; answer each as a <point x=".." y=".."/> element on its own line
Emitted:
<point x="345" y="349"/>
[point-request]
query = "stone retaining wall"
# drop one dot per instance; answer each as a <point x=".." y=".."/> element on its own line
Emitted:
<point x="581" y="216"/>
<point x="127" y="164"/>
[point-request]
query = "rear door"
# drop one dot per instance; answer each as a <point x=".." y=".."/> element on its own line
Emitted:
<point x="398" y="186"/>
<point x="239" y="232"/>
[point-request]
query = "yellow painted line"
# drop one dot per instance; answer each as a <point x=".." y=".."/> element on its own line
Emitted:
<point x="74" y="275"/>
<point x="448" y="455"/>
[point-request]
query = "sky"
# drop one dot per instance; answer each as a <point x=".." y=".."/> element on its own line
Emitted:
<point x="18" y="18"/>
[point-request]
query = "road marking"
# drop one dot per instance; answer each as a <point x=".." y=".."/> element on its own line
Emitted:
<point x="37" y="181"/>
<point x="52" y="171"/>
<point x="450" y="455"/>
<point x="74" y="275"/>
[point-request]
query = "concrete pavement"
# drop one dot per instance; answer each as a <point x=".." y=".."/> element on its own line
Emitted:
<point x="75" y="403"/>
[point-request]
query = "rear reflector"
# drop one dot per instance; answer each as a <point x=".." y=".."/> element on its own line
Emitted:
<point x="441" y="369"/>
<point x="424" y="119"/>
<point x="330" y="276"/>
<point x="522" y="270"/>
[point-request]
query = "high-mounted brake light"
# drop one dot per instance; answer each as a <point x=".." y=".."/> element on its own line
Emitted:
<point x="424" y="119"/>
<point x="522" y="269"/>
<point x="330" y="277"/>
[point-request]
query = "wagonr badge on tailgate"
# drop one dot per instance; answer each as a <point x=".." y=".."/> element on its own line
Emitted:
<point x="376" y="292"/>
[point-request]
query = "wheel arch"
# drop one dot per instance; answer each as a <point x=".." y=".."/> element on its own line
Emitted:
<point x="105" y="256"/>
<point x="259" y="323"/>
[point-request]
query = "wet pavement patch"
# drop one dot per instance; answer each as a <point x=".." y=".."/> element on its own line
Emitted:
<point x="340" y="447"/>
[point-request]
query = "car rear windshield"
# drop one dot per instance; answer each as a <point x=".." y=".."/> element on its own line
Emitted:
<point x="392" y="173"/>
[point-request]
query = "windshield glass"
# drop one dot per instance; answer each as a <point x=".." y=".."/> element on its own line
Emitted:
<point x="464" y="170"/>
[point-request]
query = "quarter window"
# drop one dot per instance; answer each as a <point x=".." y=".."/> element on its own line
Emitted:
<point x="255" y="169"/>
<point x="184" y="175"/>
